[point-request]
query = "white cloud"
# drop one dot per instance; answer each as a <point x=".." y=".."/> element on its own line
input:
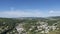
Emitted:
<point x="51" y="11"/>
<point x="54" y="13"/>
<point x="19" y="13"/>
<point x="28" y="13"/>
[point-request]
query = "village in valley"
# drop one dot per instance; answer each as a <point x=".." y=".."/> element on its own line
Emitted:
<point x="42" y="27"/>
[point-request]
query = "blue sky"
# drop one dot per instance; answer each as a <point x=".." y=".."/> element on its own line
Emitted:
<point x="29" y="8"/>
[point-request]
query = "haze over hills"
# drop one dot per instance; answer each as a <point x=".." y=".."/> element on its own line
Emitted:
<point x="8" y="25"/>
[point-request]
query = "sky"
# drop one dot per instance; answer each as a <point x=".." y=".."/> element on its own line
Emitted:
<point x="29" y="8"/>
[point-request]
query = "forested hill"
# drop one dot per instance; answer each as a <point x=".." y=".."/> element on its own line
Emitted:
<point x="7" y="25"/>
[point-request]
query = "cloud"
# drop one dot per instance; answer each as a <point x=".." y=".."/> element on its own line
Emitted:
<point x="51" y="11"/>
<point x="20" y="13"/>
<point x="28" y="13"/>
<point x="54" y="13"/>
